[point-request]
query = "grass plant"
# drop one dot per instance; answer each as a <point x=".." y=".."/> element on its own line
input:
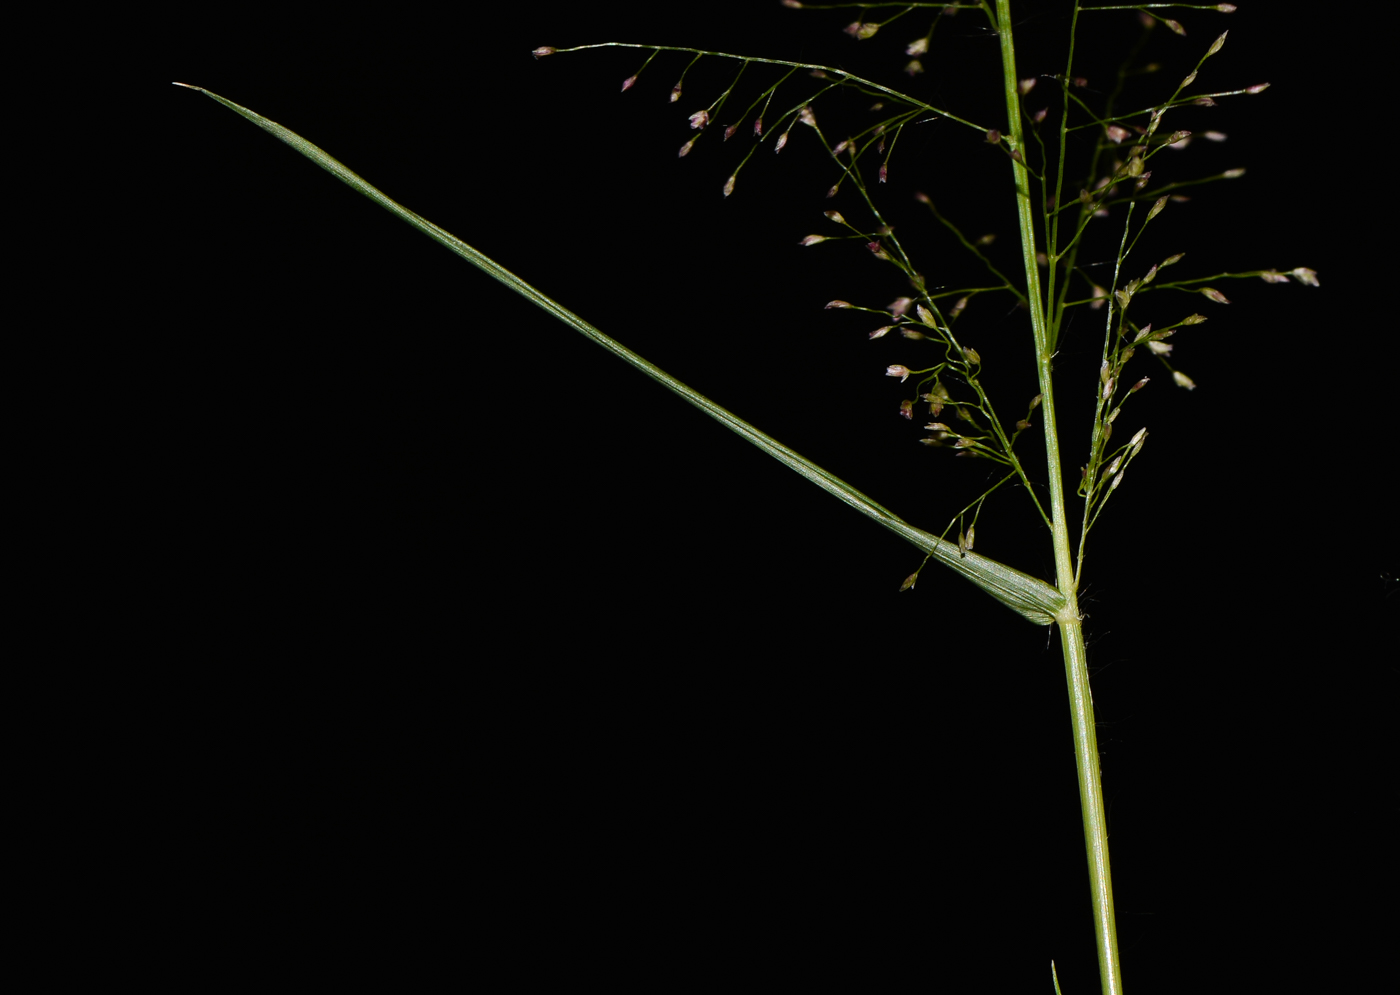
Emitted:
<point x="1095" y="180"/>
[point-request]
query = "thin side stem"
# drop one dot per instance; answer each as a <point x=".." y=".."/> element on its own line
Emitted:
<point x="1086" y="751"/>
<point x="830" y="70"/>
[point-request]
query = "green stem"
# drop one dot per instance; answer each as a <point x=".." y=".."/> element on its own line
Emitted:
<point x="1086" y="753"/>
<point x="1086" y="762"/>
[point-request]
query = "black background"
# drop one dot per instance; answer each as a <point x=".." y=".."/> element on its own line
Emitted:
<point x="512" y="662"/>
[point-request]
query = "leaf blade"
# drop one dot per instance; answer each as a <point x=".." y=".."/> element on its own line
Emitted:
<point x="1029" y="596"/>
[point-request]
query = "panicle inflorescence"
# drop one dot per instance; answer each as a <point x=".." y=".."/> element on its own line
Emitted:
<point x="1119" y="183"/>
